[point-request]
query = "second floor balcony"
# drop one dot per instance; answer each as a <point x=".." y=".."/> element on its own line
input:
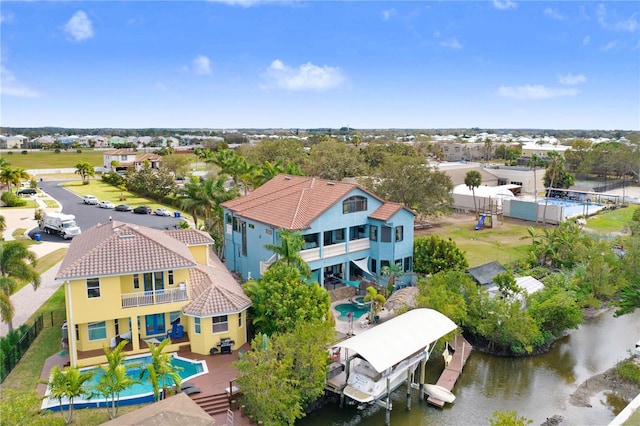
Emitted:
<point x="333" y="250"/>
<point x="154" y="297"/>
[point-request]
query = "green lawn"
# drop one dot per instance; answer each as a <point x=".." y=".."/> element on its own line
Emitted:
<point x="611" y="220"/>
<point x="45" y="159"/>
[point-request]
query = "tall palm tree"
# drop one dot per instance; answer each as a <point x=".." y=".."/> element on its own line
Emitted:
<point x="376" y="299"/>
<point x="291" y="242"/>
<point x="114" y="377"/>
<point x="160" y="369"/>
<point x="556" y="162"/>
<point x="473" y="179"/>
<point x="13" y="175"/>
<point x="534" y="162"/>
<point x="16" y="263"/>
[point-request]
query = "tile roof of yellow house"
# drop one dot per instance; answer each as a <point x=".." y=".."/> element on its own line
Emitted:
<point x="130" y="282"/>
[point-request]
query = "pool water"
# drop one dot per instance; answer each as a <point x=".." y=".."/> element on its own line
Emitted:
<point x="138" y="393"/>
<point x="573" y="208"/>
<point x="345" y="308"/>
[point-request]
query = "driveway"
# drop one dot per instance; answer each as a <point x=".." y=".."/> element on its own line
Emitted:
<point x="88" y="216"/>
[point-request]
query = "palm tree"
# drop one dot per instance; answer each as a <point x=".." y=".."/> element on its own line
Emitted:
<point x="555" y="167"/>
<point x="291" y="242"/>
<point x="114" y="379"/>
<point x="533" y="163"/>
<point x="13" y="175"/>
<point x="68" y="384"/>
<point x="392" y="272"/>
<point x="3" y="223"/>
<point x="473" y="179"/>
<point x="16" y="263"/>
<point x="377" y="300"/>
<point x="85" y="170"/>
<point x="160" y="369"/>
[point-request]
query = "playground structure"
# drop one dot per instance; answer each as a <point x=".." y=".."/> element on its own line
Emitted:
<point x="489" y="208"/>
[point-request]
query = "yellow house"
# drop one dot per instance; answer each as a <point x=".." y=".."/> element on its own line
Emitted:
<point x="130" y="282"/>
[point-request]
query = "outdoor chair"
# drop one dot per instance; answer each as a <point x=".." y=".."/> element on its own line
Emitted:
<point x="177" y="331"/>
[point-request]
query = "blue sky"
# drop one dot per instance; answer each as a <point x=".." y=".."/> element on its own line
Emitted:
<point x="294" y="64"/>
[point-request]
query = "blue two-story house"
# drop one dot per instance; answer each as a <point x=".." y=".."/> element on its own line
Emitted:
<point x="349" y="232"/>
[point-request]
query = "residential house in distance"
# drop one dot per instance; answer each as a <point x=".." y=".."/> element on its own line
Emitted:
<point x="13" y="142"/>
<point x="348" y="231"/>
<point x="126" y="159"/>
<point x="123" y="281"/>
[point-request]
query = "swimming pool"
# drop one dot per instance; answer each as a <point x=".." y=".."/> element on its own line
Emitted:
<point x="136" y="394"/>
<point x="345" y="308"/>
<point x="573" y="208"/>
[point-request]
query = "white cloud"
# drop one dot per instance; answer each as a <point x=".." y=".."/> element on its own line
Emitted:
<point x="306" y="77"/>
<point x="553" y="14"/>
<point x="201" y="65"/>
<point x="387" y="14"/>
<point x="504" y="4"/>
<point x="79" y="27"/>
<point x="586" y="40"/>
<point x="609" y="46"/>
<point x="571" y="80"/>
<point x="242" y="3"/>
<point x="451" y="43"/>
<point x="6" y="18"/>
<point x="11" y="86"/>
<point x="629" y="24"/>
<point x="535" y="91"/>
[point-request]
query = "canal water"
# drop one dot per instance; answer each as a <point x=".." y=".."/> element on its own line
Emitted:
<point x="537" y="387"/>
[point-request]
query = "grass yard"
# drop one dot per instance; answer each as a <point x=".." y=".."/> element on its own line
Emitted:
<point x="503" y="243"/>
<point x="45" y="263"/>
<point x="611" y="220"/>
<point x="49" y="159"/>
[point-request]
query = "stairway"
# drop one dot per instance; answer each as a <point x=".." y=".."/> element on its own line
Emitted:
<point x="213" y="404"/>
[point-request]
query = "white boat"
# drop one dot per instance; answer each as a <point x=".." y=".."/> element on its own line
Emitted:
<point x="438" y="392"/>
<point x="365" y="384"/>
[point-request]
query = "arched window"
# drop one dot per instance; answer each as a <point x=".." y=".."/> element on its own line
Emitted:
<point x="357" y="203"/>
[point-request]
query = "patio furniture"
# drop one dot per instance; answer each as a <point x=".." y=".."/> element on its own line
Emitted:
<point x="226" y="345"/>
<point x="177" y="331"/>
<point x="187" y="385"/>
<point x="192" y="390"/>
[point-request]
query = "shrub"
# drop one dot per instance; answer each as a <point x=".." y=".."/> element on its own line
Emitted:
<point x="10" y="152"/>
<point x="38" y="214"/>
<point x="79" y="151"/>
<point x="12" y="200"/>
<point x="24" y="152"/>
<point x="629" y="370"/>
<point x="57" y="151"/>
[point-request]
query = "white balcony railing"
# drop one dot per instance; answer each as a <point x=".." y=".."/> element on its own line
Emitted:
<point x="144" y="298"/>
<point x="334" y="250"/>
<point x="358" y="245"/>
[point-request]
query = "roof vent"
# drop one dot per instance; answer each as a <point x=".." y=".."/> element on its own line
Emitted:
<point x="126" y="236"/>
<point x="331" y="183"/>
<point x="287" y="178"/>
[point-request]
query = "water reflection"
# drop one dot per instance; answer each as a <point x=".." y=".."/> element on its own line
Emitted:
<point x="537" y="387"/>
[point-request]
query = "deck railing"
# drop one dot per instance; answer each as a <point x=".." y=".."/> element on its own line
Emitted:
<point x="144" y="298"/>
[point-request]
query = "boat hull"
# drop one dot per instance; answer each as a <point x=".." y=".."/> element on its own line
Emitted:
<point x="440" y="393"/>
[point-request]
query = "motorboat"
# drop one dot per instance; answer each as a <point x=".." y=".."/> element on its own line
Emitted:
<point x="365" y="384"/>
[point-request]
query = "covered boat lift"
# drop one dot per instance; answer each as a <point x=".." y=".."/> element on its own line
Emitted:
<point x="394" y="348"/>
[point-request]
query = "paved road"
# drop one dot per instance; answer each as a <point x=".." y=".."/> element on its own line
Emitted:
<point x="88" y="216"/>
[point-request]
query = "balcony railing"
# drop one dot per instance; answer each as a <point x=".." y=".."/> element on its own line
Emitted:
<point x="145" y="298"/>
<point x="332" y="250"/>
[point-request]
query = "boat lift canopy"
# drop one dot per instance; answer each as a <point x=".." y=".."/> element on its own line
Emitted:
<point x="385" y="345"/>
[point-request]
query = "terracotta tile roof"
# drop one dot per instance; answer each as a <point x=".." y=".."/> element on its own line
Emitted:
<point x="214" y="291"/>
<point x="190" y="237"/>
<point x="120" y="151"/>
<point x="291" y="202"/>
<point x="150" y="157"/>
<point x="386" y="211"/>
<point x="118" y="248"/>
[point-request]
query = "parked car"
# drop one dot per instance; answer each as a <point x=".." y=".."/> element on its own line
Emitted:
<point x="90" y="199"/>
<point x="106" y="205"/>
<point x="27" y="191"/>
<point x="162" y="212"/>
<point x="142" y="210"/>
<point x="123" y="208"/>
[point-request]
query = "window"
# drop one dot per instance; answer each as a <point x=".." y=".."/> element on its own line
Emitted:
<point x="340" y="234"/>
<point x="384" y="263"/>
<point x="93" y="287"/>
<point x="159" y="280"/>
<point x="357" y="232"/>
<point x="251" y="226"/>
<point x="399" y="233"/>
<point x="97" y="330"/>
<point x="173" y="316"/>
<point x="236" y="224"/>
<point x="373" y="233"/>
<point x="385" y="237"/>
<point x="374" y="266"/>
<point x="407" y="264"/>
<point x="170" y="277"/>
<point x="136" y="281"/>
<point x="220" y="324"/>
<point x="196" y="325"/>
<point x="239" y="319"/>
<point x="354" y="204"/>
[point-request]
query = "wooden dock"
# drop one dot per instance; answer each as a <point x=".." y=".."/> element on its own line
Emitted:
<point x="453" y="370"/>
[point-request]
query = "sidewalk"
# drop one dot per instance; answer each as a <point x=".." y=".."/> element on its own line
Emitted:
<point x="26" y="301"/>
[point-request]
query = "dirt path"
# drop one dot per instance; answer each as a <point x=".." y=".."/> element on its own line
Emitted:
<point x="607" y="381"/>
